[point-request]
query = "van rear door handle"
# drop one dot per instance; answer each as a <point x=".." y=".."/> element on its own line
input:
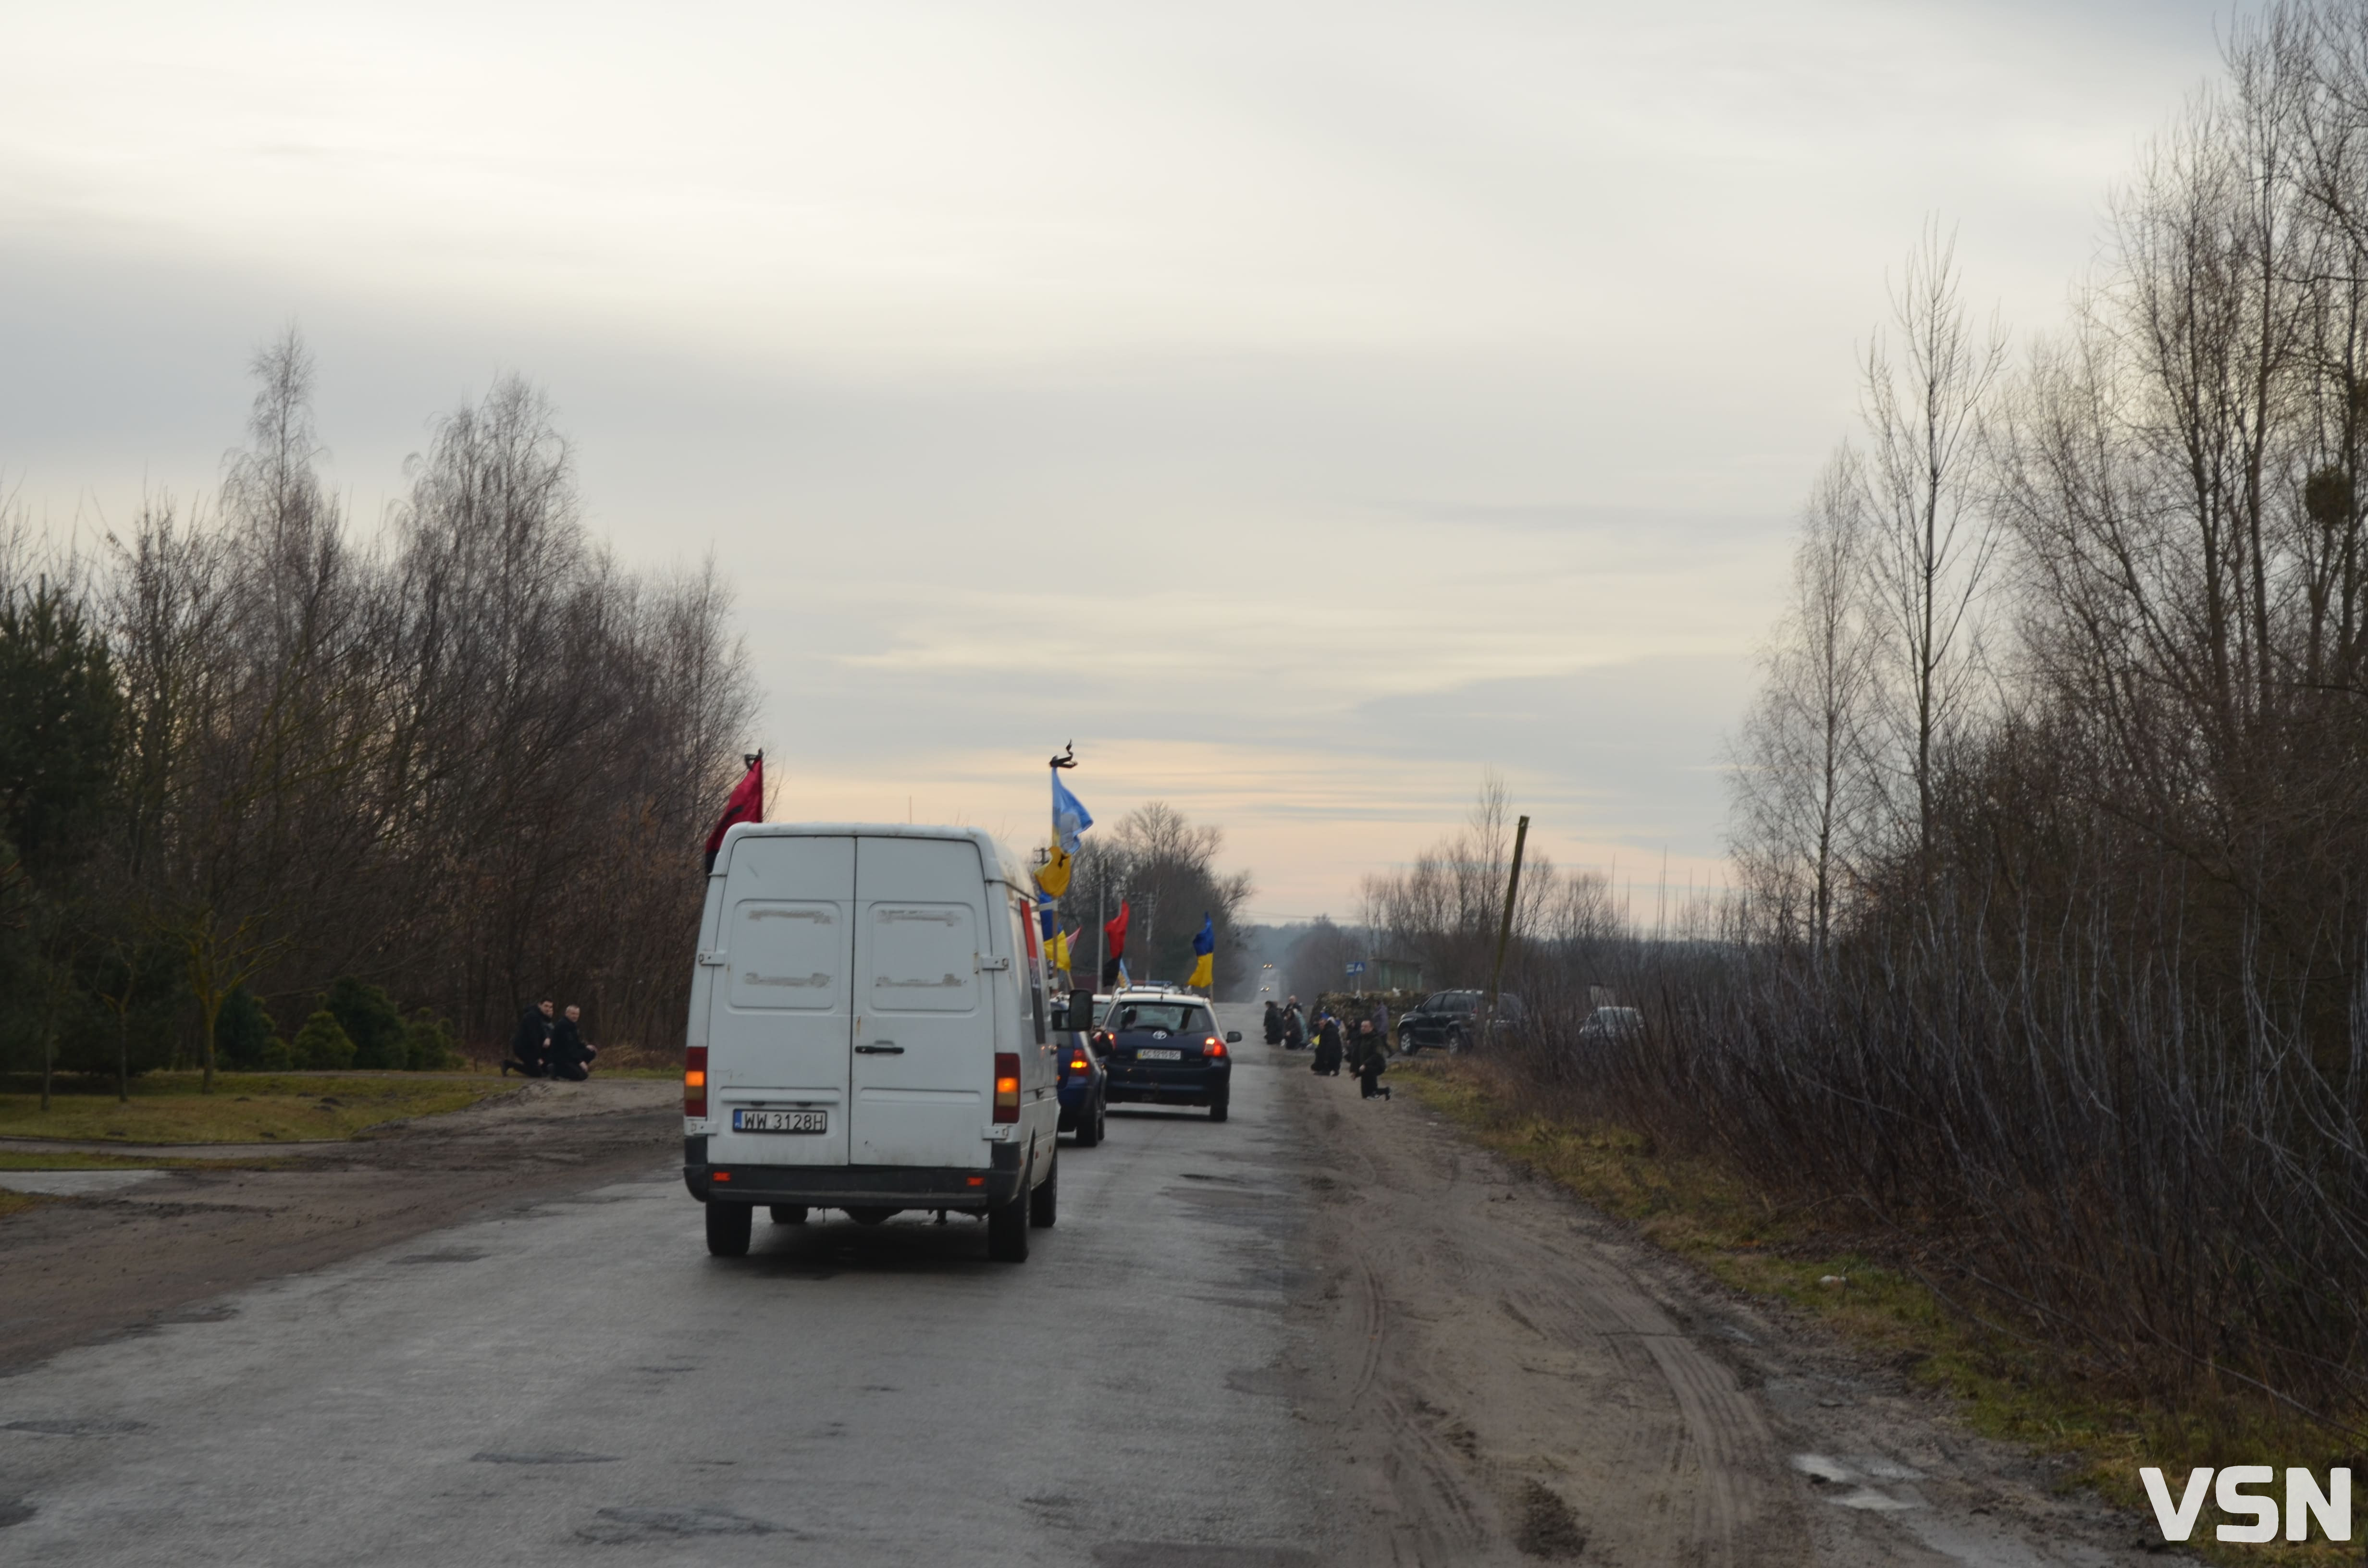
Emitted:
<point x="882" y="1048"/>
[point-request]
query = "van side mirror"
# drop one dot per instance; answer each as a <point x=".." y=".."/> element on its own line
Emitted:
<point x="1233" y="1037"/>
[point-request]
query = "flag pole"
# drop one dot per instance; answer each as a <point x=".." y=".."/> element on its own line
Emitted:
<point x="1065" y="757"/>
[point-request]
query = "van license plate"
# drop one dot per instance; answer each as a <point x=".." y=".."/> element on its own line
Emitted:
<point x="1154" y="1053"/>
<point x="780" y="1121"/>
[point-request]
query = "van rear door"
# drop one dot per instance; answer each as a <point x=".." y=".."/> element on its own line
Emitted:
<point x="925" y="1026"/>
<point x="780" y="1022"/>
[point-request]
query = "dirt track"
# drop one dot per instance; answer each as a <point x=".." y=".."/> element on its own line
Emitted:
<point x="99" y="1267"/>
<point x="1499" y="1374"/>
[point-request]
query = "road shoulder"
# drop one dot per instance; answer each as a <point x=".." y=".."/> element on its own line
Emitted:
<point x="1511" y="1376"/>
<point x="121" y="1258"/>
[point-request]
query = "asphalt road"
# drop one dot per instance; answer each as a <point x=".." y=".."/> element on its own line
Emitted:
<point x="1331" y="1331"/>
<point x="579" y="1381"/>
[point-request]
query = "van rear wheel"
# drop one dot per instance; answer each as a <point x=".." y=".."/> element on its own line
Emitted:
<point x="728" y="1225"/>
<point x="789" y="1213"/>
<point x="1007" y="1228"/>
<point x="1043" y="1204"/>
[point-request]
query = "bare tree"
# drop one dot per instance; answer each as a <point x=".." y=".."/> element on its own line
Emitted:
<point x="1932" y="541"/>
<point x="1801" y="777"/>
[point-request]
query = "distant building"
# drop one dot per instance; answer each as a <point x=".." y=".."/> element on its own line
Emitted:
<point x="1393" y="975"/>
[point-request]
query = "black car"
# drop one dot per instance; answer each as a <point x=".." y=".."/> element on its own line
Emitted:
<point x="1447" y="1019"/>
<point x="1162" y="1048"/>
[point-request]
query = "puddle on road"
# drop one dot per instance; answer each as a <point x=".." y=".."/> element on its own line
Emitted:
<point x="543" y="1456"/>
<point x="72" y="1184"/>
<point x="1846" y="1482"/>
<point x="14" y="1513"/>
<point x="455" y="1255"/>
<point x="77" y="1427"/>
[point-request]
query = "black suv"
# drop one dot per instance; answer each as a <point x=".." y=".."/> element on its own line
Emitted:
<point x="1446" y="1019"/>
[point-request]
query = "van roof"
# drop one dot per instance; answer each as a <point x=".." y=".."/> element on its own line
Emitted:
<point x="1000" y="863"/>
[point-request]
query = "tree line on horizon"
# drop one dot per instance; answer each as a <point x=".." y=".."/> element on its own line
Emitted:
<point x="251" y="761"/>
<point x="1163" y="866"/>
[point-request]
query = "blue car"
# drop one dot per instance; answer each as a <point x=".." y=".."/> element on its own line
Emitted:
<point x="1085" y="1077"/>
<point x="1085" y="1091"/>
<point x="1162" y="1049"/>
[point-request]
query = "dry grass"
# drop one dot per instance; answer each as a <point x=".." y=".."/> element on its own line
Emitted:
<point x="166" y="1107"/>
<point x="2006" y="1387"/>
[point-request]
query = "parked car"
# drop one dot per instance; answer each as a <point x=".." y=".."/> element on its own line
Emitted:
<point x="868" y="1032"/>
<point x="1085" y="1079"/>
<point x="1446" y="1020"/>
<point x="1606" y="1024"/>
<point x="1162" y="1048"/>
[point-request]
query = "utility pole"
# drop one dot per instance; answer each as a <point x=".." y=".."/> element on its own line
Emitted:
<point x="1505" y="929"/>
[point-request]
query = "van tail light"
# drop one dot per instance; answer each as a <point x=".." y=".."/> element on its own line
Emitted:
<point x="1079" y="1064"/>
<point x="1213" y="1046"/>
<point x="694" y="1081"/>
<point x="1007" y="1086"/>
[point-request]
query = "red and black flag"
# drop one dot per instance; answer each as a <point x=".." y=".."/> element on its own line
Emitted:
<point x="746" y="804"/>
<point x="1114" y="944"/>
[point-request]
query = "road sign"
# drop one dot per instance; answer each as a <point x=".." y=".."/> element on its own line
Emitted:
<point x="1357" y="967"/>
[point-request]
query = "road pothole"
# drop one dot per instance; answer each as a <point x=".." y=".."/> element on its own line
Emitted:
<point x="542" y="1456"/>
<point x="619" y="1526"/>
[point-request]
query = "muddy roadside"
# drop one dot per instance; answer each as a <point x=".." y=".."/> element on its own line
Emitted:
<point x="120" y="1256"/>
<point x="1496" y="1374"/>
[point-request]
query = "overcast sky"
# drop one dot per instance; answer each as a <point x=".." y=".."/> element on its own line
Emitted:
<point x="1302" y="407"/>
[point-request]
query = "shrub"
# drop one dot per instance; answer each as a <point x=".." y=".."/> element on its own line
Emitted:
<point x="367" y="1015"/>
<point x="429" y="1045"/>
<point x="323" y="1045"/>
<point x="243" y="1031"/>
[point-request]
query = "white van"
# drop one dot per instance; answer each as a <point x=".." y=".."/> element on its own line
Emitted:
<point x="868" y="1032"/>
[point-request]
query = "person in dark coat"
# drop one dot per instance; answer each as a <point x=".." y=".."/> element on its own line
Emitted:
<point x="1294" y="1032"/>
<point x="1369" y="1068"/>
<point x="1363" y="1044"/>
<point x="1273" y="1023"/>
<point x="571" y="1058"/>
<point x="1327" y="1046"/>
<point x="530" y="1047"/>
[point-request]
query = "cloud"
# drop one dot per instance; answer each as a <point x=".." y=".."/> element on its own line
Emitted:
<point x="1300" y="407"/>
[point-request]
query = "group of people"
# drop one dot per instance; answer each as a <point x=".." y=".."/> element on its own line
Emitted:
<point x="548" y="1046"/>
<point x="1365" y="1050"/>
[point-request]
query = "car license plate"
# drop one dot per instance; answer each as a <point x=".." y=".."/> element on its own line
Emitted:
<point x="1153" y="1053"/>
<point x="780" y="1121"/>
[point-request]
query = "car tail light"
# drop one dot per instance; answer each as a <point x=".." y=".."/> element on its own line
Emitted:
<point x="694" y="1081"/>
<point x="1213" y="1046"/>
<point x="1007" y="1086"/>
<point x="1081" y="1065"/>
